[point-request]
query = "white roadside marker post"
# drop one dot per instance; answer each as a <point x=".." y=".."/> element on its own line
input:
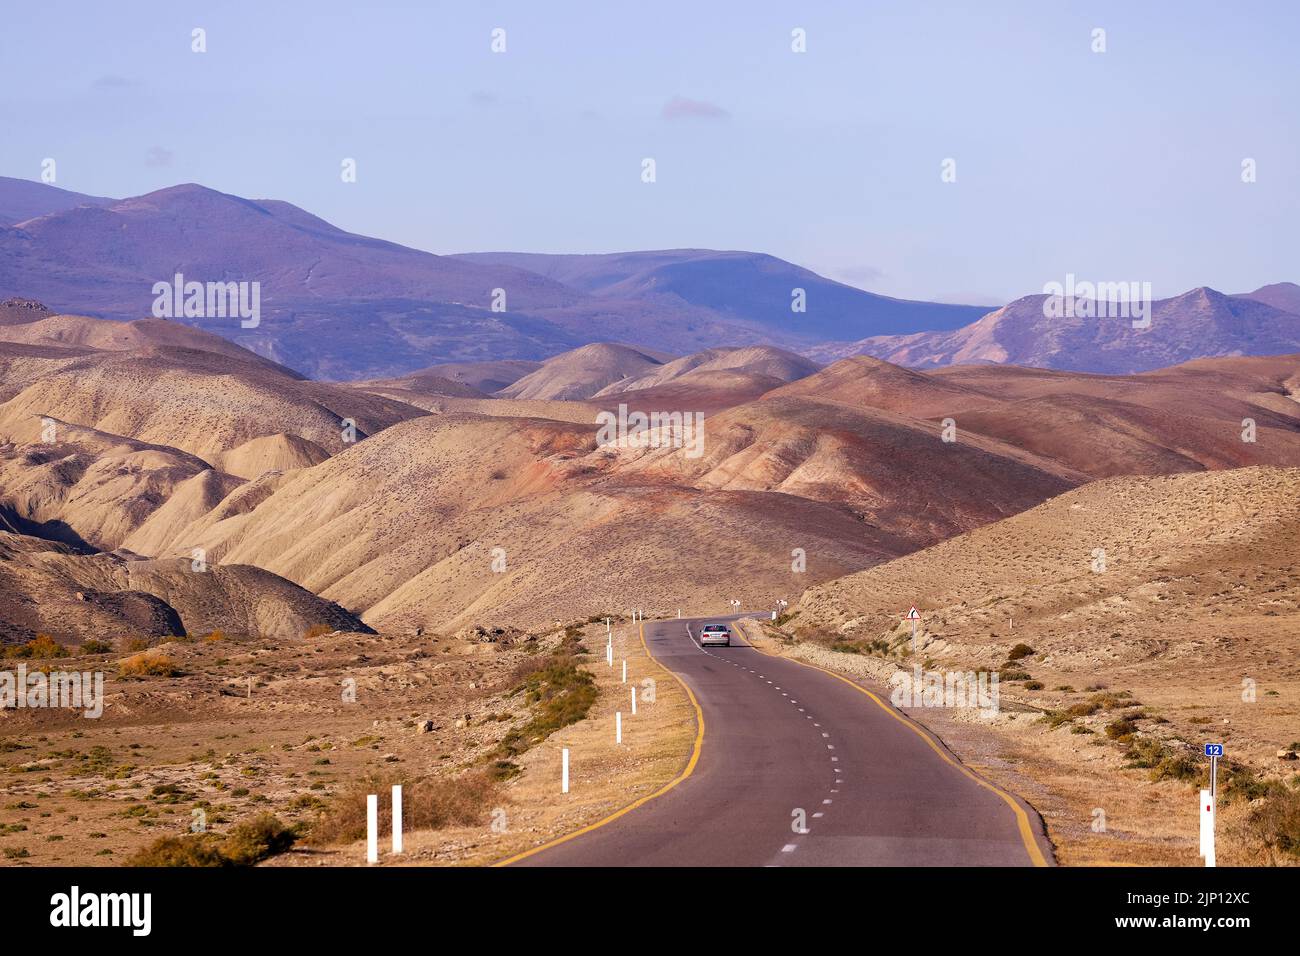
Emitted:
<point x="372" y="828"/>
<point x="564" y="770"/>
<point x="618" y="727"/>
<point x="1208" y="806"/>
<point x="918" y="677"/>
<point x="1206" y="811"/>
<point x="634" y="701"/>
<point x="609" y="653"/>
<point x="397" y="818"/>
<point x="624" y="671"/>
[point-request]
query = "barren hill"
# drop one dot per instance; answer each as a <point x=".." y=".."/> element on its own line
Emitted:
<point x="1280" y="295"/>
<point x="23" y="199"/>
<point x="89" y="488"/>
<point x="757" y="360"/>
<point x="404" y="527"/>
<point x="584" y="372"/>
<point x="894" y="471"/>
<point x="1176" y="549"/>
<point x="46" y="588"/>
<point x="485" y="377"/>
<point x="296" y="256"/>
<point x="1200" y="323"/>
<point x="197" y="401"/>
<point x="1178" y="419"/>
<point x="45" y="328"/>
<point x="1173" y="588"/>
<point x="749" y="288"/>
<point x="1132" y="620"/>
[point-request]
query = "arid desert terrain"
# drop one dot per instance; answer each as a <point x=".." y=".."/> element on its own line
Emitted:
<point x="299" y="589"/>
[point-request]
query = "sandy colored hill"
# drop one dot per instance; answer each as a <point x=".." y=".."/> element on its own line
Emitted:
<point x="483" y="378"/>
<point x="21" y="365"/>
<point x="404" y="525"/>
<point x="107" y="335"/>
<point x="894" y="471"/>
<point x="584" y="372"/>
<point x="199" y="402"/>
<point x="848" y="464"/>
<point x="48" y="589"/>
<point x="757" y="360"/>
<point x="94" y="489"/>
<point x="705" y="392"/>
<point x="1183" y="418"/>
<point x="414" y="388"/>
<point x="278" y="452"/>
<point x="861" y="380"/>
<point x="1189" y="631"/>
<point x="1170" y="543"/>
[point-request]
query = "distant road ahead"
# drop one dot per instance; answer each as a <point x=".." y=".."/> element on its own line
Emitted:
<point x="781" y="736"/>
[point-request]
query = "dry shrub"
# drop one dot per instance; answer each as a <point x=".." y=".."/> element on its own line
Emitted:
<point x="318" y="630"/>
<point x="148" y="664"/>
<point x="246" y="844"/>
<point x="41" y="647"/>
<point x="430" y="804"/>
<point x="1275" y="822"/>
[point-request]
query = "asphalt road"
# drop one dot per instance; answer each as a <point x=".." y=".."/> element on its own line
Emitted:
<point x="781" y="737"/>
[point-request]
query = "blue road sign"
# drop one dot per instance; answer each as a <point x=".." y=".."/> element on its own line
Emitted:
<point x="1214" y="750"/>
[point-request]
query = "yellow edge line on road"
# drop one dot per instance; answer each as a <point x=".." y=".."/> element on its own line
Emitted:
<point x="686" y="772"/>
<point x="1022" y="818"/>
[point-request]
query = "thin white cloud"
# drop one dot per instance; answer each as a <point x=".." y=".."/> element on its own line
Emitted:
<point x="159" y="156"/>
<point x="679" y="107"/>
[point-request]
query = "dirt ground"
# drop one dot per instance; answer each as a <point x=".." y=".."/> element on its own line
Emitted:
<point x="77" y="791"/>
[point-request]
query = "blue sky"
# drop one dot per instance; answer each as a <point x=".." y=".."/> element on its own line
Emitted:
<point x="1124" y="165"/>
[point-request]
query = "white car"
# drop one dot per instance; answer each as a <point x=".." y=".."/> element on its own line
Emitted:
<point x="715" y="634"/>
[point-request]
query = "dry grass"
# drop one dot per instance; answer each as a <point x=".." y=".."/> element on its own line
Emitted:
<point x="430" y="804"/>
<point x="560" y="694"/>
<point x="148" y="664"/>
<point x="248" y="843"/>
<point x="41" y="647"/>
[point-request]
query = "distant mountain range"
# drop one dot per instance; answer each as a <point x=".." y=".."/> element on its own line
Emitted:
<point x="1197" y="324"/>
<point x="341" y="306"/>
<point x="22" y="199"/>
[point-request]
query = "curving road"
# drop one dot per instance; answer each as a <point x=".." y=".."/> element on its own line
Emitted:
<point x="781" y="736"/>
